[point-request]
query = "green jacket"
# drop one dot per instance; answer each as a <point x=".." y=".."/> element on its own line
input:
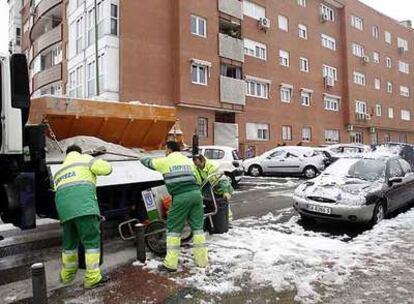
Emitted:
<point x="75" y="185"/>
<point x="178" y="171"/>
<point x="222" y="186"/>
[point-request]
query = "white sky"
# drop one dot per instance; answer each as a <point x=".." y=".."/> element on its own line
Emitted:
<point x="397" y="9"/>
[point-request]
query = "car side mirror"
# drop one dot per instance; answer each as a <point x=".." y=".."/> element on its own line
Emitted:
<point x="236" y="164"/>
<point x="394" y="180"/>
<point x="269" y="157"/>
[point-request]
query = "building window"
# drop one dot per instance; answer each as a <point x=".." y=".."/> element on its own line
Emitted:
<point x="101" y="73"/>
<point x="391" y="113"/>
<point x="284" y="58"/>
<point x="100" y="19"/>
<point x="257" y="131"/>
<point x="378" y="110"/>
<point x="285" y="94"/>
<point x="79" y="2"/>
<point x="91" y="26"/>
<point x="79" y="82"/>
<point x="286" y="133"/>
<point x="306" y="134"/>
<point x="357" y="22"/>
<point x="328" y="42"/>
<point x="57" y="55"/>
<point x="331" y="103"/>
<point x="255" y="49"/>
<point x="357" y="138"/>
<point x="377" y="84"/>
<point x="114" y="19"/>
<point x="358" y="50"/>
<point x="375" y="32"/>
<point x="404" y="91"/>
<point x="257" y="89"/>
<point x="375" y="57"/>
<point x="389" y="87"/>
<point x="91" y="79"/>
<point x="360" y="107"/>
<point x="303" y="31"/>
<point x="304" y="64"/>
<point x="301" y="3"/>
<point x="202" y="127"/>
<point x="253" y="10"/>
<point x="403" y="44"/>
<point x="331" y="136"/>
<point x="388" y="37"/>
<point x="359" y="79"/>
<point x="283" y="23"/>
<point x="404" y="67"/>
<point x="327" y="13"/>
<point x="199" y="74"/>
<point x="79" y="35"/>
<point x="405" y="115"/>
<point x="198" y="26"/>
<point x="329" y="71"/>
<point x="72" y="83"/>
<point x="305" y="98"/>
<point x="388" y="62"/>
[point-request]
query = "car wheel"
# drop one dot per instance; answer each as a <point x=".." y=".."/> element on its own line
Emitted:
<point x="255" y="171"/>
<point x="306" y="218"/>
<point x="378" y="214"/>
<point x="310" y="172"/>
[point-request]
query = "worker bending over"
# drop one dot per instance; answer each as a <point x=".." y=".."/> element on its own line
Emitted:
<point x="78" y="211"/>
<point x="221" y="186"/>
<point x="180" y="179"/>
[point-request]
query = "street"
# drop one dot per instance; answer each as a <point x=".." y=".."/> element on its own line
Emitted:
<point x="269" y="256"/>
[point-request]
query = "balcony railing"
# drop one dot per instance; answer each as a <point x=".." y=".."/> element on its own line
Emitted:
<point x="44" y="6"/>
<point x="232" y="90"/>
<point x="231" y="48"/>
<point x="362" y="116"/>
<point x="47" y="76"/>
<point x="231" y="7"/>
<point x="47" y="39"/>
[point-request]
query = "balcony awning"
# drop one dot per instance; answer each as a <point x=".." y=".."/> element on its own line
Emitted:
<point x="201" y="62"/>
<point x="258" y="79"/>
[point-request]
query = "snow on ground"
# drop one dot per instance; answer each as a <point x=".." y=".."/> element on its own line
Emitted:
<point x="265" y="252"/>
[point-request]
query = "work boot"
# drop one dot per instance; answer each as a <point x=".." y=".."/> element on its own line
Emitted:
<point x="200" y="249"/>
<point x="163" y="268"/>
<point x="173" y="250"/>
<point x="104" y="279"/>
<point x="69" y="266"/>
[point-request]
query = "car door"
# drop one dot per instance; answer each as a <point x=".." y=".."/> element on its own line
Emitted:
<point x="292" y="162"/>
<point x="273" y="162"/>
<point x="408" y="180"/>
<point x="398" y="192"/>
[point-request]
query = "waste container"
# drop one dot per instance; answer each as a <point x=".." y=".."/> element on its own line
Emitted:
<point x="221" y="218"/>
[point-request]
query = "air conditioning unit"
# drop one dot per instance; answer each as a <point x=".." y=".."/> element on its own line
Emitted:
<point x="401" y="49"/>
<point x="329" y="81"/>
<point x="366" y="59"/>
<point x="367" y="116"/>
<point x="349" y="128"/>
<point x="264" y="24"/>
<point x="324" y="17"/>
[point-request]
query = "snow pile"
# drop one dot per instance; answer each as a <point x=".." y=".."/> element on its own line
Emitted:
<point x="264" y="252"/>
<point x="88" y="143"/>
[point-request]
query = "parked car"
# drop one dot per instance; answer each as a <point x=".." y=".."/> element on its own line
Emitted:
<point x="228" y="159"/>
<point x="286" y="160"/>
<point x="359" y="190"/>
<point x="406" y="151"/>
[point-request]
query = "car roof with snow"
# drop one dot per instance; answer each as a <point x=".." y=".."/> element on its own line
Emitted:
<point x="217" y="147"/>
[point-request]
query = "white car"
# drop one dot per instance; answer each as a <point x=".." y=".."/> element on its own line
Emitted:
<point x="286" y="160"/>
<point x="347" y="150"/>
<point x="227" y="158"/>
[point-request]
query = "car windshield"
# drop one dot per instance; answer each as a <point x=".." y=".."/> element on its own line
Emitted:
<point x="365" y="169"/>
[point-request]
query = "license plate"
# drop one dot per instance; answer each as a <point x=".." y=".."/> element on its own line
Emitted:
<point x="319" y="209"/>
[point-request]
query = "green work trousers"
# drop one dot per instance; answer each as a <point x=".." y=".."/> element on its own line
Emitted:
<point x="84" y="229"/>
<point x="186" y="206"/>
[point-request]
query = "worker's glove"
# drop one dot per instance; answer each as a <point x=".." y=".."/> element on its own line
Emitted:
<point x="227" y="196"/>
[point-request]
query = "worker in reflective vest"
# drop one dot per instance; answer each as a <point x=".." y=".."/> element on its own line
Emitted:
<point x="222" y="186"/>
<point x="78" y="211"/>
<point x="179" y="176"/>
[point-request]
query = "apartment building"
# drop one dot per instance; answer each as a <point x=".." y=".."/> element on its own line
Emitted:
<point x="15" y="26"/>
<point x="252" y="73"/>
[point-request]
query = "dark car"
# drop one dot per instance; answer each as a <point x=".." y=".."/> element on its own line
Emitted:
<point x="363" y="190"/>
<point x="406" y="151"/>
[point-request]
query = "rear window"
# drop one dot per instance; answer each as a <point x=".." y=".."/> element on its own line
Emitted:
<point x="214" y="153"/>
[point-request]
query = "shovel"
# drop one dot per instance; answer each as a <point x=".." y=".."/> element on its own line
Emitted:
<point x="102" y="150"/>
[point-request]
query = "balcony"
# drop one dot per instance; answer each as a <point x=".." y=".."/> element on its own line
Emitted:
<point x="232" y="91"/>
<point x="47" y="76"/>
<point x="362" y="117"/>
<point x="44" y="6"/>
<point x="47" y="39"/>
<point x="231" y="48"/>
<point x="233" y="8"/>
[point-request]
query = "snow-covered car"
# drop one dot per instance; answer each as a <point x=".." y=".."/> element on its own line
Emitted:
<point x="345" y="150"/>
<point x="228" y="159"/>
<point x="359" y="189"/>
<point x="286" y="160"/>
